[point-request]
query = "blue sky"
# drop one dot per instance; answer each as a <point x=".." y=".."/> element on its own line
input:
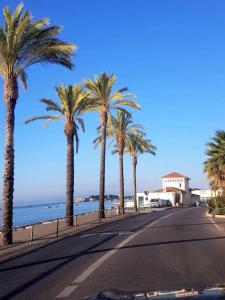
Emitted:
<point x="171" y="54"/>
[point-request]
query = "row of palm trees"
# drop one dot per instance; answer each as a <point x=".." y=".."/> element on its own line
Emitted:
<point x="24" y="42"/>
<point x="214" y="166"/>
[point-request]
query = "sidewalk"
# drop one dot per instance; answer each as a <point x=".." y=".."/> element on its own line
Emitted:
<point x="36" y="235"/>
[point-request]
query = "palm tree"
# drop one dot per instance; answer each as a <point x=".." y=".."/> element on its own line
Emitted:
<point x="119" y="128"/>
<point x="73" y="101"/>
<point x="135" y="144"/>
<point x="105" y="100"/>
<point x="214" y="166"/>
<point x="23" y="42"/>
<point x="214" y="187"/>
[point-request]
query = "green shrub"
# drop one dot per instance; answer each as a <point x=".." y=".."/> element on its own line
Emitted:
<point x="216" y="205"/>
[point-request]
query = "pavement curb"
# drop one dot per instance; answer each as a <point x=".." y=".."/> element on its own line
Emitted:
<point x="215" y="216"/>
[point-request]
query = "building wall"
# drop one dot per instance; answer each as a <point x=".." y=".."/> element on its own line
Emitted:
<point x="204" y="194"/>
<point x="180" y="183"/>
<point x="145" y="201"/>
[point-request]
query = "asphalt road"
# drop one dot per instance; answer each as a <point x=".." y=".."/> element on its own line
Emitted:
<point x="171" y="249"/>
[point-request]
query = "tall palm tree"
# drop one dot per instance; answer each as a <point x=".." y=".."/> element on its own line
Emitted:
<point x="105" y="99"/>
<point x="214" y="166"/>
<point x="73" y="101"/>
<point x="136" y="144"/>
<point x="119" y="128"/>
<point x="23" y="42"/>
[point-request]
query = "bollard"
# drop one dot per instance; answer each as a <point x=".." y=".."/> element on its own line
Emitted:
<point x="57" y="227"/>
<point x="32" y="234"/>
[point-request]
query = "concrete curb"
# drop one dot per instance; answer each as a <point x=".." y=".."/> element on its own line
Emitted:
<point x="215" y="216"/>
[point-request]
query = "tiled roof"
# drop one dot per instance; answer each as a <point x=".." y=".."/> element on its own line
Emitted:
<point x="175" y="175"/>
<point x="169" y="189"/>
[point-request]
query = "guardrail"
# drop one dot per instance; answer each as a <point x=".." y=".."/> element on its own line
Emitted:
<point x="57" y="227"/>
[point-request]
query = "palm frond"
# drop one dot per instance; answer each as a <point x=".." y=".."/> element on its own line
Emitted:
<point x="25" y="41"/>
<point x="42" y="117"/>
<point x="81" y="123"/>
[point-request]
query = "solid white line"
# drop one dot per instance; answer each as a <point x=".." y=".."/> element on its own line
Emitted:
<point x="83" y="276"/>
<point x="67" y="291"/>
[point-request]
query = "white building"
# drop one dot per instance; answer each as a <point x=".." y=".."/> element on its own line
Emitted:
<point x="175" y="187"/>
<point x="204" y="194"/>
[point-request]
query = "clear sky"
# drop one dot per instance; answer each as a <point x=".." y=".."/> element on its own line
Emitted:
<point x="171" y="54"/>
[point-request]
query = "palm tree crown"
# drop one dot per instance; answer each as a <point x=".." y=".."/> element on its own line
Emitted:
<point x="214" y="166"/>
<point x="105" y="98"/>
<point x="73" y="102"/>
<point x="25" y="41"/>
<point x="136" y="143"/>
<point x="121" y="127"/>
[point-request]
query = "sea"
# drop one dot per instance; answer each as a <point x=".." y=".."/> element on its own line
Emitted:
<point x="26" y="215"/>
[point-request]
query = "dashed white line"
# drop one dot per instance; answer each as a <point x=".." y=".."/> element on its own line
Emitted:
<point x="83" y="276"/>
<point x="89" y="234"/>
<point x="107" y="233"/>
<point x="216" y="225"/>
<point x="67" y="291"/>
<point x="167" y="216"/>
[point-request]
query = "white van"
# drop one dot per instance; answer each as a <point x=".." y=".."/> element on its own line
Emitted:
<point x="155" y="203"/>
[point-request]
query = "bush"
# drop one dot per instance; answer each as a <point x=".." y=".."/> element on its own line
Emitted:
<point x="216" y="205"/>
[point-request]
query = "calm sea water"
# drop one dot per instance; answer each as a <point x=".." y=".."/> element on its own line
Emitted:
<point x="24" y="215"/>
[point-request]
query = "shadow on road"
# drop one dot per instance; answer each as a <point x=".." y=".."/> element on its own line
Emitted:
<point x="65" y="259"/>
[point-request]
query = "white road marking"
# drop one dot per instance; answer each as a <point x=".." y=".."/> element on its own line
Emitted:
<point x="89" y="234"/>
<point x="126" y="232"/>
<point x="107" y="233"/>
<point x="85" y="274"/>
<point x="216" y="225"/>
<point x="167" y="216"/>
<point x="67" y="291"/>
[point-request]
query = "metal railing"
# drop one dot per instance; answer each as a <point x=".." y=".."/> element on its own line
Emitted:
<point x="55" y="228"/>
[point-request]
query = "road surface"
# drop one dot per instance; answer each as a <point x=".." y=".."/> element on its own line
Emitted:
<point x="175" y="248"/>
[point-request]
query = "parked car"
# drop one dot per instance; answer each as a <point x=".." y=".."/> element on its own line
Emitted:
<point x="155" y="203"/>
<point x="168" y="203"/>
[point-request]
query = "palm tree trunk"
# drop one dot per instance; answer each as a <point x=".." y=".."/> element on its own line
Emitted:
<point x="121" y="182"/>
<point x="10" y="97"/>
<point x="134" y="160"/>
<point x="70" y="180"/>
<point x="103" y="118"/>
